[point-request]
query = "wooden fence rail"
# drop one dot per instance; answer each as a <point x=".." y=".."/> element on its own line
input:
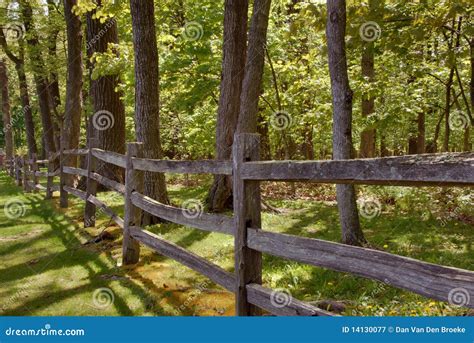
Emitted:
<point x="250" y="241"/>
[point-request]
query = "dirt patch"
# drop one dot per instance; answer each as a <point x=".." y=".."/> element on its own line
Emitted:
<point x="33" y="233"/>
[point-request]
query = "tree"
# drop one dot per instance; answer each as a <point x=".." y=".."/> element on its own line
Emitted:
<point x="342" y="117"/>
<point x="367" y="139"/>
<point x="41" y="81"/>
<point x="73" y="111"/>
<point x="7" y="120"/>
<point x="147" y="93"/>
<point x="233" y="66"/>
<point x="108" y="121"/>
<point x="252" y="83"/>
<point x="19" y="61"/>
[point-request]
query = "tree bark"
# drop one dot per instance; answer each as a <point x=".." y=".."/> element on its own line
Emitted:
<point x="233" y="66"/>
<point x="252" y="83"/>
<point x="342" y="114"/>
<point x="54" y="94"/>
<point x="19" y="62"/>
<point x="108" y="122"/>
<point x="147" y="94"/>
<point x="73" y="110"/>
<point x="367" y="139"/>
<point x="42" y="84"/>
<point x="7" y="120"/>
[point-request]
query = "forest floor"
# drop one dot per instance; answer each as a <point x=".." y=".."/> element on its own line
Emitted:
<point x="48" y="268"/>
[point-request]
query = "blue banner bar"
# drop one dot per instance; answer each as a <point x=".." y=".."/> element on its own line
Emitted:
<point x="233" y="329"/>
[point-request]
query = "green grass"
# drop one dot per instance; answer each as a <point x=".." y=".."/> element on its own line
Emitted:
<point x="45" y="268"/>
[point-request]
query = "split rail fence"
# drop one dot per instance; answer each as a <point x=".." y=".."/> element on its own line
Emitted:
<point x="427" y="279"/>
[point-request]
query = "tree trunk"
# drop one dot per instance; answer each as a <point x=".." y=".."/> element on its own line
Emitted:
<point x="41" y="81"/>
<point x="367" y="139"/>
<point x="447" y="110"/>
<point x="73" y="110"/>
<point x="233" y="65"/>
<point x="54" y="94"/>
<point x="420" y="141"/>
<point x="108" y="121"/>
<point x="147" y="94"/>
<point x="252" y="83"/>
<point x="19" y="62"/>
<point x="7" y="120"/>
<point x="342" y="114"/>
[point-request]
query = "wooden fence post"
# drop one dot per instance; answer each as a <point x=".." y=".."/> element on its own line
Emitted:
<point x="63" y="196"/>
<point x="247" y="213"/>
<point x="91" y="188"/>
<point x="34" y="169"/>
<point x="24" y="162"/>
<point x="49" y="182"/>
<point x="133" y="182"/>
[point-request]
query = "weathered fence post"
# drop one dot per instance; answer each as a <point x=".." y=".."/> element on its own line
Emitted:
<point x="91" y="188"/>
<point x="63" y="196"/>
<point x="50" y="179"/>
<point x="133" y="182"/>
<point x="26" y="185"/>
<point x="247" y="208"/>
<point x="34" y="169"/>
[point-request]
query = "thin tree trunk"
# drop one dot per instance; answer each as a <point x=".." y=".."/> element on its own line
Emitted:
<point x="233" y="64"/>
<point x="54" y="94"/>
<point x="420" y="142"/>
<point x="252" y="83"/>
<point x="367" y="139"/>
<point x="147" y="104"/>
<point x="73" y="110"/>
<point x="19" y="62"/>
<point x="108" y="121"/>
<point x="7" y="120"/>
<point x="342" y="114"/>
<point x="42" y="84"/>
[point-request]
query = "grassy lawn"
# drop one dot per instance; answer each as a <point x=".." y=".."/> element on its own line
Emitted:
<point x="46" y="267"/>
